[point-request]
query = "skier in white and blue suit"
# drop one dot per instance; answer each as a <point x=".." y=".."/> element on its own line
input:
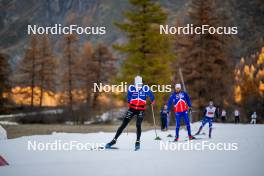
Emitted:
<point x="209" y="114"/>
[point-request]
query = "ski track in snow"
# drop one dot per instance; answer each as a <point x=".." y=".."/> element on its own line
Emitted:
<point x="149" y="160"/>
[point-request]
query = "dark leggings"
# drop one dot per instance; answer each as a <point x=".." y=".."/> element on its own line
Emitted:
<point x="128" y="116"/>
<point x="237" y="119"/>
<point x="163" y="123"/>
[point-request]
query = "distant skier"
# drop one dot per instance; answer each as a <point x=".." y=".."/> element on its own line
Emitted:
<point x="136" y="98"/>
<point x="182" y="104"/>
<point x="223" y="116"/>
<point x="254" y="118"/>
<point x="163" y="117"/>
<point x="217" y="111"/>
<point x="209" y="114"/>
<point x="237" y="116"/>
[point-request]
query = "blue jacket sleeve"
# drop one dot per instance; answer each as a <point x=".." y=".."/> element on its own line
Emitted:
<point x="188" y="99"/>
<point x="170" y="103"/>
<point x="150" y="94"/>
<point x="129" y="94"/>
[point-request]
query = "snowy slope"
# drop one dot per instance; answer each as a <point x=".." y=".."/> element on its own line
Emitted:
<point x="150" y="160"/>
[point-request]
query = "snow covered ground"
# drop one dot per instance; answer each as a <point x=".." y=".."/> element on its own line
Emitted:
<point x="247" y="160"/>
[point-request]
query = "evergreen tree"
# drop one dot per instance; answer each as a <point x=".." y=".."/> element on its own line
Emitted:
<point x="148" y="53"/>
<point x="205" y="59"/>
<point x="249" y="19"/>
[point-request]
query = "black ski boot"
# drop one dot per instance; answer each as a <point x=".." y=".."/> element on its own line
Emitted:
<point x="137" y="145"/>
<point x="110" y="144"/>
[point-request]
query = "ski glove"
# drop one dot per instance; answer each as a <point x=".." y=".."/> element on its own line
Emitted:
<point x="190" y="109"/>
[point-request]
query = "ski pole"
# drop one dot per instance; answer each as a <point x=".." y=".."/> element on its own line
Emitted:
<point x="157" y="137"/>
<point x="127" y="128"/>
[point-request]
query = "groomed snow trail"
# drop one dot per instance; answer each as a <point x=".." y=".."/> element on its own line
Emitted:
<point x="150" y="160"/>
